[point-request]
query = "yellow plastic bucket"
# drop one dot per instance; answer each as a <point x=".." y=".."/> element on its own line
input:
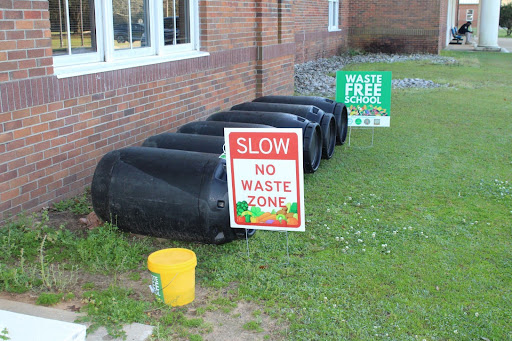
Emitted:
<point x="173" y="275"/>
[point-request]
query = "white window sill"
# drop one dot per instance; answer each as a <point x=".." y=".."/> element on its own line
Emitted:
<point x="86" y="69"/>
<point x="333" y="29"/>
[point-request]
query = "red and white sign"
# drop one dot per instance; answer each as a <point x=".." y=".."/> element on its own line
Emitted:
<point x="265" y="178"/>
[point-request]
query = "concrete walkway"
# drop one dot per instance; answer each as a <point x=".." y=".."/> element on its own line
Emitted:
<point x="134" y="331"/>
<point x="504" y="43"/>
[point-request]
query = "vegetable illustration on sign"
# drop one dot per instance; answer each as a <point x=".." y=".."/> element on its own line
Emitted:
<point x="265" y="178"/>
<point x="287" y="215"/>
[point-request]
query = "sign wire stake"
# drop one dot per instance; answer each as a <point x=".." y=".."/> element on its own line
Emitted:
<point x="362" y="147"/>
<point x="287" y="249"/>
<point x="247" y="243"/>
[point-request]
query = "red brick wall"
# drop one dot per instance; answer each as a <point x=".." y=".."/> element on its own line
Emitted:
<point x="443" y="25"/>
<point x="276" y="53"/>
<point x="227" y="24"/>
<point x="462" y="15"/>
<point x="312" y="39"/>
<point x="395" y="26"/>
<point x="51" y="143"/>
<point x="25" y="49"/>
<point x="54" y="131"/>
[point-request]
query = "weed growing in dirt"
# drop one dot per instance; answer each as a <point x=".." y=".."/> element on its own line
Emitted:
<point x="112" y="308"/>
<point x="117" y="306"/>
<point x="88" y="286"/>
<point x="78" y="205"/>
<point x="4" y="334"/>
<point x="107" y="250"/>
<point x="134" y="276"/>
<point x="29" y="246"/>
<point x="35" y="255"/>
<point x="174" y="323"/>
<point x="253" y="326"/>
<point x="49" y="298"/>
<point x="25" y="235"/>
<point x="18" y="279"/>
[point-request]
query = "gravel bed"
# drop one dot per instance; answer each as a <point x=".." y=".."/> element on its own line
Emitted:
<point x="318" y="76"/>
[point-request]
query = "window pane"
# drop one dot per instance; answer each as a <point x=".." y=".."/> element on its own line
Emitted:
<point x="469" y="15"/>
<point x="183" y="22"/>
<point x="169" y="21"/>
<point x="333" y="14"/>
<point x="176" y="22"/>
<point x="81" y="22"/>
<point x="140" y="22"/>
<point x="131" y="25"/>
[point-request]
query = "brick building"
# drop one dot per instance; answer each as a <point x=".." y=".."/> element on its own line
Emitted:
<point x="468" y="11"/>
<point x="79" y="78"/>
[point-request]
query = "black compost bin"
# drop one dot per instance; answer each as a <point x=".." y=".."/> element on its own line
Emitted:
<point x="165" y="193"/>
<point x="311" y="132"/>
<point x="190" y="142"/>
<point x="215" y="128"/>
<point x="312" y="113"/>
<point x="338" y="109"/>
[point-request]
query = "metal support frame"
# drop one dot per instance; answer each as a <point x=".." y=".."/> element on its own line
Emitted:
<point x="373" y="135"/>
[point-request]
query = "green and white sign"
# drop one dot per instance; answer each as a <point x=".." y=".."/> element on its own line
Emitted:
<point x="156" y="285"/>
<point x="367" y="96"/>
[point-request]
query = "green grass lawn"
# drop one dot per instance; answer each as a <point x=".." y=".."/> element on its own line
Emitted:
<point x="502" y="33"/>
<point x="410" y="239"/>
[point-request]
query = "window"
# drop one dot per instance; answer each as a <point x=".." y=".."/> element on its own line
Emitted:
<point x="85" y="31"/>
<point x="334" y="6"/>
<point x="469" y="15"/>
<point x="73" y="29"/>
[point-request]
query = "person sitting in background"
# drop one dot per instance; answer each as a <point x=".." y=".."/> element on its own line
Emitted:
<point x="465" y="29"/>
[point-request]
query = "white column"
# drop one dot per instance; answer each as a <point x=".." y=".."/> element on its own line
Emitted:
<point x="489" y="20"/>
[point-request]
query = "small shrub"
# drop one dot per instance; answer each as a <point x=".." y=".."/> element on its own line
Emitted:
<point x="4" y="334"/>
<point x="106" y="250"/>
<point x="134" y="276"/>
<point x="49" y="299"/>
<point x="78" y="205"/>
<point x="355" y="52"/>
<point x="27" y="232"/>
<point x="112" y="308"/>
<point x="253" y="326"/>
<point x="195" y="337"/>
<point x="88" y="286"/>
<point x="18" y="279"/>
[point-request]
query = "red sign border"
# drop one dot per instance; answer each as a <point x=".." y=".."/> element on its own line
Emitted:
<point x="296" y="133"/>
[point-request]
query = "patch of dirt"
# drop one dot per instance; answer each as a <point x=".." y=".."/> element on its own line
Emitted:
<point x="227" y="323"/>
<point x="230" y="326"/>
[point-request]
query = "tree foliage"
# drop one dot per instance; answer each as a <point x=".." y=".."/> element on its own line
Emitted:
<point x="506" y="17"/>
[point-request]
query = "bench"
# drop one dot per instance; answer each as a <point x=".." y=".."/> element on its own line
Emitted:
<point x="456" y="38"/>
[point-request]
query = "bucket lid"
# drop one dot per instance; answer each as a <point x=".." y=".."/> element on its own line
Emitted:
<point x="173" y="259"/>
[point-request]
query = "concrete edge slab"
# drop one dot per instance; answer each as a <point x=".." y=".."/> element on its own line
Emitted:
<point x="27" y="327"/>
<point x="134" y="331"/>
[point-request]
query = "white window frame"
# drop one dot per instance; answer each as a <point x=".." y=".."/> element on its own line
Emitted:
<point x="334" y="10"/>
<point x="116" y="55"/>
<point x="469" y="14"/>
<point x="108" y="58"/>
<point x="89" y="57"/>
